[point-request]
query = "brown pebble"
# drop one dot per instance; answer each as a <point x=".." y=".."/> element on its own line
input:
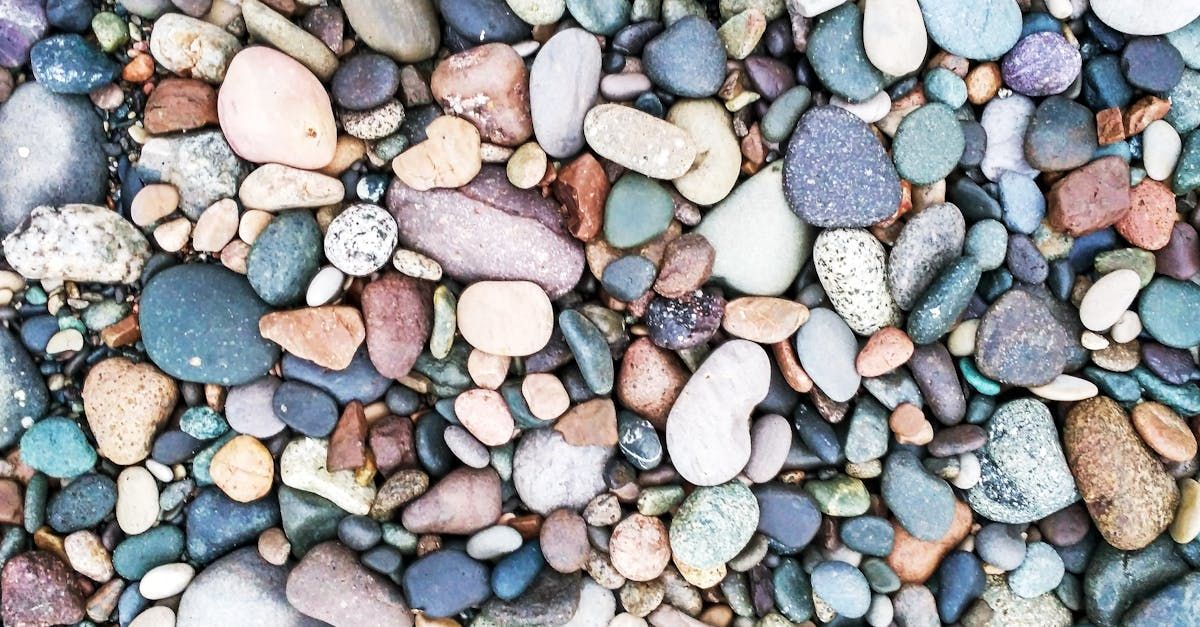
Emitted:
<point x="545" y="395"/>
<point x="1091" y="198"/>
<point x="686" y="265"/>
<point x="582" y="188"/>
<point x="1151" y="217"/>
<point x="908" y="422"/>
<point x="139" y="69"/>
<point x="983" y="81"/>
<point x="153" y="203"/>
<point x="1144" y="112"/>
<point x="489" y="86"/>
<point x="327" y="336"/>
<point x="273" y="546"/>
<point x="391" y="441"/>
<point x="347" y="443"/>
<point x="463" y="502"/>
<point x="36" y="589"/>
<point x="789" y="366"/>
<point x="886" y="349"/>
<point x="487" y="370"/>
<point x="649" y="381"/>
<point x="1164" y="431"/>
<point x="126" y="404"/>
<point x="398" y="314"/>
<point x="243" y="469"/>
<point x="564" y="541"/>
<point x="638" y="547"/>
<point x="592" y="423"/>
<point x="763" y="319"/>
<point x="12" y="505"/>
<point x="1110" y="126"/>
<point x="180" y="104"/>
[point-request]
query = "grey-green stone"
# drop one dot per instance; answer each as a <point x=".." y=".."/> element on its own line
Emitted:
<point x="308" y="519"/>
<point x="202" y="423"/>
<point x="137" y="555"/>
<point x="713" y="525"/>
<point x="939" y="307"/>
<point x="1167" y="308"/>
<point x="840" y="496"/>
<point x="793" y="592"/>
<point x="57" y="446"/>
<point x="783" y="114"/>
<point x="928" y="144"/>
<point x="638" y="210"/>
<point x="836" y="53"/>
<point x="592" y="354"/>
<point x="285" y="257"/>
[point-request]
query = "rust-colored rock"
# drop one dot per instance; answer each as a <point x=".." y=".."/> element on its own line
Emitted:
<point x="327" y="336"/>
<point x="1090" y="198"/>
<point x="391" y="440"/>
<point x="489" y="86"/>
<point x="348" y="442"/>
<point x="886" y="349"/>
<point x="582" y="188"/>
<point x="649" y="381"/>
<point x="1110" y="127"/>
<point x="1151" y="216"/>
<point x="180" y="104"/>
<point x="1144" y="112"/>
<point x="916" y="560"/>
<point x="1164" y="431"/>
<point x="1130" y="496"/>
<point x="592" y="423"/>
<point x="763" y="319"/>
<point x="12" y="505"/>
<point x="36" y="590"/>
<point x="687" y="264"/>
<point x="398" y="311"/>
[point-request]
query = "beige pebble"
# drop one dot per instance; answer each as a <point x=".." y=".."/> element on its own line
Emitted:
<point x="252" y="224"/>
<point x="275" y="187"/>
<point x="639" y="141"/>
<point x="348" y="150"/>
<point x="137" y="500"/>
<point x="961" y="342"/>
<point x="126" y="403"/>
<point x="448" y="158"/>
<point x="153" y="203"/>
<point x="1065" y="387"/>
<point x="487" y="370"/>
<point x="273" y="546"/>
<point x="243" y="469"/>
<point x="1127" y="328"/>
<point x="64" y="341"/>
<point x="173" y="236"/>
<point x="1108" y="298"/>
<point x="87" y="556"/>
<point x="511" y="318"/>
<point x="166" y="581"/>
<point x="545" y="395"/>
<point x="492" y="153"/>
<point x="157" y="616"/>
<point x="1093" y="341"/>
<point x="216" y="227"/>
<point x="416" y="265"/>
<point x="233" y="256"/>
<point x="485" y="414"/>
<point x="1186" y="525"/>
<point x="11" y="281"/>
<point x="526" y="166"/>
<point x="763" y="319"/>
<point x="325" y="287"/>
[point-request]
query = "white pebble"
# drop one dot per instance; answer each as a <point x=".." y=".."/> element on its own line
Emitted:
<point x="157" y="616"/>
<point x="961" y="342"/>
<point x="1093" y="341"/>
<point x="880" y="613"/>
<point x="968" y="472"/>
<point x="137" y="500"/>
<point x="1060" y="9"/>
<point x="870" y="110"/>
<point x="1161" y="147"/>
<point x="324" y="287"/>
<point x="166" y="581"/>
<point x="65" y="340"/>
<point x="493" y="542"/>
<point x="1108" y="298"/>
<point x="1065" y="387"/>
<point x="161" y="471"/>
<point x="416" y="265"/>
<point x="361" y="239"/>
<point x="1127" y="328"/>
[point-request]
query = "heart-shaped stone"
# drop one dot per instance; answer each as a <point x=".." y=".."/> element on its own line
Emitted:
<point x="125" y="404"/>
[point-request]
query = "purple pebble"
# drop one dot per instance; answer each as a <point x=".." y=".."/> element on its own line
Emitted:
<point x="1042" y="64"/>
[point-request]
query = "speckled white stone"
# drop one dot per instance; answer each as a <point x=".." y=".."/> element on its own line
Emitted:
<point x="852" y="267"/>
<point x="361" y="239"/>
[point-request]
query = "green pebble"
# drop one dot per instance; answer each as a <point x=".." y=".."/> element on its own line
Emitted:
<point x="1120" y="387"/>
<point x="591" y="351"/>
<point x="1184" y="399"/>
<point x="1140" y="261"/>
<point x="928" y="144"/>
<point x="793" y="591"/>
<point x="502" y="459"/>
<point x="610" y="323"/>
<point x="638" y="210"/>
<point x="675" y="10"/>
<point x="104" y="314"/>
<point x="66" y="321"/>
<point x="836" y="53"/>
<point x="57" y="446"/>
<point x="397" y="536"/>
<point x="111" y="31"/>
<point x="987" y="242"/>
<point x="285" y="257"/>
<point x="445" y="320"/>
<point x="660" y="499"/>
<point x="783" y="114"/>
<point x="1053" y="245"/>
<point x="1168" y="310"/>
<point x="307" y="519"/>
<point x="137" y="555"/>
<point x="35" y="295"/>
<point x="1187" y="170"/>
<point x="644" y="10"/>
<point x="713" y="525"/>
<point x="602" y="17"/>
<point x="880" y="576"/>
<point x="982" y="384"/>
<point x="12" y="542"/>
<point x="449" y="372"/>
<point x="937" y="310"/>
<point x="840" y="496"/>
<point x="737" y="594"/>
<point x="945" y="87"/>
<point x="203" y="423"/>
<point x="36" y="493"/>
<point x="390" y="147"/>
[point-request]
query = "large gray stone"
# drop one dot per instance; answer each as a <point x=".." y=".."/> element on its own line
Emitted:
<point x="23" y="394"/>
<point x="240" y="589"/>
<point x="50" y="153"/>
<point x="200" y="165"/>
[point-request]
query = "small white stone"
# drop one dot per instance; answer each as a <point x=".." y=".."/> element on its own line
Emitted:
<point x="1127" y="328"/>
<point x="302" y="466"/>
<point x="870" y="110"/>
<point x="969" y="472"/>
<point x="1093" y="341"/>
<point x="173" y="236"/>
<point x="275" y="187"/>
<point x="137" y="500"/>
<point x="852" y="267"/>
<point x="880" y="612"/>
<point x="162" y="472"/>
<point x="493" y="542"/>
<point x="1108" y="298"/>
<point x="157" y="616"/>
<point x="538" y="12"/>
<point x="416" y="265"/>
<point x="360" y="240"/>
<point x="252" y="223"/>
<point x="324" y="287"/>
<point x="813" y="8"/>
<point x="166" y="581"/>
<point x="1060" y="9"/>
<point x="87" y="555"/>
<point x="1161" y="147"/>
<point x="63" y="341"/>
<point x="216" y="226"/>
<point x="894" y="35"/>
<point x="1065" y="387"/>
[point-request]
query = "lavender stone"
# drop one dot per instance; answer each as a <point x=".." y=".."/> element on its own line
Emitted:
<point x="1042" y="64"/>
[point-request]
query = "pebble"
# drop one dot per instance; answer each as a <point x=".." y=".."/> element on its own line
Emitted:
<point x="27" y="23"/>
<point x="639" y="141"/>
<point x="1090" y="198"/>
<point x="327" y="336"/>
<point x="463" y="502"/>
<point x="397" y="312"/>
<point x="700" y="537"/>
<point x="137" y="500"/>
<point x="302" y="466"/>
<point x="265" y="24"/>
<point x="83" y="503"/>
<point x="928" y="144"/>
<point x="687" y="59"/>
<point x="274" y="187"/>
<point x="1039" y="573"/>
<point x="718" y="156"/>
<point x="1160" y="308"/>
<point x="922" y="503"/>
<point x="65" y="165"/>
<point x="979" y="33"/>
<point x="57" y="447"/>
<point x="638" y="547"/>
<point x="200" y="165"/>
<point x="243" y="469"/>
<point x="1125" y="483"/>
<point x="38" y="589"/>
<point x="894" y="36"/>
<point x="84" y="243"/>
<point x="1061" y="135"/>
<point x="827" y="349"/>
<point x="843" y="587"/>
<point x="763" y="319"/>
<point x="166" y="581"/>
<point x="1019" y="342"/>
<point x="126" y="405"/>
<point x="1006" y="121"/>
<point x="550" y="473"/>
<point x="445" y="582"/>
<point x="861" y="190"/>
<point x="241" y="586"/>
<point x="365" y="81"/>
<point x="405" y="31"/>
<point x="1148" y="18"/>
<point x="1164" y="431"/>
<point x="180" y="104"/>
<point x="193" y="48"/>
<point x="759" y="244"/>
<point x="217" y="313"/>
<point x="67" y="64"/>
<point x="929" y="242"/>
<point x="329" y="584"/>
<point x="488" y="86"/>
<point x="360" y="240"/>
<point x="649" y="380"/>
<point x="1041" y="64"/>
<point x="248" y="106"/>
<point x="638" y="210"/>
<point x="838" y="57"/>
<point x="1024" y="475"/>
<point x="512" y="318"/>
<point x="563" y="83"/>
<point x="1108" y="298"/>
<point x="851" y="265"/>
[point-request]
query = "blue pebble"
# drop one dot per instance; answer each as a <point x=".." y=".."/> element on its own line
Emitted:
<point x="1107" y="36"/>
<point x="203" y="423"/>
<point x="1184" y="113"/>
<point x="516" y="572"/>
<point x="1040" y="573"/>
<point x="1104" y="86"/>
<point x="869" y="535"/>
<point x="359" y="381"/>
<point x="73" y="16"/>
<point x="1022" y="201"/>
<point x="68" y="64"/>
<point x="987" y="242"/>
<point x="629" y="277"/>
<point x="1086" y="247"/>
<point x="444" y="583"/>
<point x="817" y="434"/>
<point x="217" y="524"/>
<point x="962" y="581"/>
<point x="82" y="504"/>
<point x="1039" y="23"/>
<point x="36" y="332"/>
<point x="843" y="587"/>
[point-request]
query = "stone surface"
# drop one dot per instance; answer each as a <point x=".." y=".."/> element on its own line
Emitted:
<point x="852" y="267"/>
<point x="563" y="83"/>
<point x="38" y="589"/>
<point x="329" y="584"/>
<point x="398" y="313"/>
<point x="639" y="141"/>
<point x="549" y="473"/>
<point x="240" y="588"/>
<point x="406" y="31"/>
<point x="1019" y="341"/>
<point x="126" y="405"/>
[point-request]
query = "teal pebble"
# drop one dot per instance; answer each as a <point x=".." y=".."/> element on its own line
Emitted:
<point x="515" y="399"/>
<point x="12" y="542"/>
<point x="137" y="555"/>
<point x="81" y="504"/>
<point x="517" y="570"/>
<point x="57" y="447"/>
<point x="104" y="313"/>
<point x="1184" y="113"/>
<point x="982" y="384"/>
<point x="308" y="519"/>
<point x="945" y="87"/>
<point x="591" y="351"/>
<point x="1187" y="41"/>
<point x="836" y="53"/>
<point x="203" y="423"/>
<point x="1167" y="308"/>
<point x="1184" y="399"/>
<point x="1120" y="387"/>
<point x="880" y="576"/>
<point x="928" y="144"/>
<point x="1187" y="171"/>
<point x="737" y="594"/>
<point x="947" y="297"/>
<point x="793" y="592"/>
<point x="783" y="114"/>
<point x="285" y="257"/>
<point x="602" y="17"/>
<point x="987" y="243"/>
<point x="36" y="492"/>
<point x="638" y="210"/>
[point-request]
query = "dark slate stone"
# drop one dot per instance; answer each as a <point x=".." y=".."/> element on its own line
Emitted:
<point x="687" y="59"/>
<point x="217" y="524"/>
<point x="82" y="503"/>
<point x="787" y="516"/>
<point x="445" y="583"/>
<point x="305" y="408"/>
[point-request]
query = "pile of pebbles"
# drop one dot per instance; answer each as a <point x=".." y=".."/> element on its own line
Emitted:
<point x="599" y="312"/>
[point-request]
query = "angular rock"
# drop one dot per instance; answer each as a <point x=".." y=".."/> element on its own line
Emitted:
<point x="331" y="585"/>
